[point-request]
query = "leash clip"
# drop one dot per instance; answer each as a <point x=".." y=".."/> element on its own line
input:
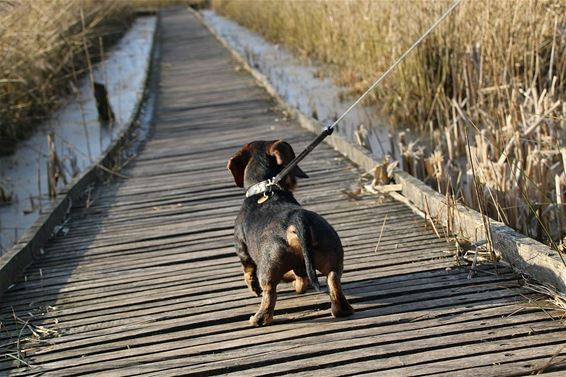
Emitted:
<point x="269" y="185"/>
<point x="268" y="191"/>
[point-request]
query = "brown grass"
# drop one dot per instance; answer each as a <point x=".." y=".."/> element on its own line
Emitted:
<point x="41" y="43"/>
<point x="494" y="70"/>
<point x="46" y="45"/>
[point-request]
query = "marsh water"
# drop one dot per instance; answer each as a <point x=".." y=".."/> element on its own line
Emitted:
<point x="80" y="138"/>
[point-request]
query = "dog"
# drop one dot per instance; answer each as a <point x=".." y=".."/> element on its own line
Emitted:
<point x="277" y="239"/>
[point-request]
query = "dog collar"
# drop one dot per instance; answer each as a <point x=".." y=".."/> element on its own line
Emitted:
<point x="262" y="187"/>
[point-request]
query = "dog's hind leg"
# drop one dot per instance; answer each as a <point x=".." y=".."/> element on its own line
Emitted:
<point x="340" y="305"/>
<point x="264" y="315"/>
<point x="300" y="281"/>
<point x="301" y="284"/>
<point x="289" y="276"/>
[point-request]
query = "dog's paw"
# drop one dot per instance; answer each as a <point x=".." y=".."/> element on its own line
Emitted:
<point x="261" y="319"/>
<point x="342" y="310"/>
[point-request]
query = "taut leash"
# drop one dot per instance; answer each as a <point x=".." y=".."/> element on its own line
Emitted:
<point x="266" y="186"/>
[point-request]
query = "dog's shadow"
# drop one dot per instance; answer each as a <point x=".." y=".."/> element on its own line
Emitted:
<point x="439" y="293"/>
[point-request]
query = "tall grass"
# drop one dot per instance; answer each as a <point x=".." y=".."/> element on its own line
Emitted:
<point x="43" y="45"/>
<point x="493" y="74"/>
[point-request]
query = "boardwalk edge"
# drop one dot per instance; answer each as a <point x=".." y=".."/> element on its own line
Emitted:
<point x="29" y="246"/>
<point x="524" y="254"/>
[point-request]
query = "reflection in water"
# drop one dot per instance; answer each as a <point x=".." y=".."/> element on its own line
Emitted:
<point x="79" y="137"/>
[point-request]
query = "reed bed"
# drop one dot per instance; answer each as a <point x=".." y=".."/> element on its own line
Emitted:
<point x="45" y="45"/>
<point x="478" y="108"/>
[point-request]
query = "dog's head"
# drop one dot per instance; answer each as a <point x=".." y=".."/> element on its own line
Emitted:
<point x="261" y="160"/>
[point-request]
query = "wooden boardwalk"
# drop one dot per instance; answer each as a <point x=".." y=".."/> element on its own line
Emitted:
<point x="145" y="281"/>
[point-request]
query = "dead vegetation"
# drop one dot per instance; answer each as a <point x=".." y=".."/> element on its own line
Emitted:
<point x="547" y="298"/>
<point x="45" y="44"/>
<point x="481" y="100"/>
<point x="23" y="335"/>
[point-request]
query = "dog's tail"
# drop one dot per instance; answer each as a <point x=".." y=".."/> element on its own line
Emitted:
<point x="305" y="240"/>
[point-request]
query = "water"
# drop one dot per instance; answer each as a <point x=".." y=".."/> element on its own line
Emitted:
<point x="79" y="137"/>
<point x="298" y="83"/>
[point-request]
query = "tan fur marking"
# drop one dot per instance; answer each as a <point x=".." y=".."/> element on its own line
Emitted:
<point x="334" y="288"/>
<point x="248" y="277"/>
<point x="340" y="305"/>
<point x="289" y="276"/>
<point x="301" y="284"/>
<point x="293" y="242"/>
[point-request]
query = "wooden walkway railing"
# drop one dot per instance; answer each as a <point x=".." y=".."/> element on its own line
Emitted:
<point x="145" y="281"/>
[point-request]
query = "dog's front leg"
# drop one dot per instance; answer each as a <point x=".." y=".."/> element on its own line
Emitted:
<point x="251" y="279"/>
<point x="264" y="315"/>
<point x="250" y="276"/>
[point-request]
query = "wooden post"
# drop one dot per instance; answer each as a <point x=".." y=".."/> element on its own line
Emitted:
<point x="54" y="172"/>
<point x="105" y="113"/>
<point x="51" y="176"/>
<point x="558" y="188"/>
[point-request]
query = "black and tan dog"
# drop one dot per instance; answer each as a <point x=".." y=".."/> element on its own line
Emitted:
<point x="277" y="239"/>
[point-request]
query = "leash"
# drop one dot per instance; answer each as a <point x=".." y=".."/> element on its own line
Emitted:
<point x="267" y="185"/>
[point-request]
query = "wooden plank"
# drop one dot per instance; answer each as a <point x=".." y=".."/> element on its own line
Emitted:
<point x="297" y="352"/>
<point x="303" y="342"/>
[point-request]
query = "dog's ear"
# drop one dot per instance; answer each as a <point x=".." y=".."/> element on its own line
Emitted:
<point x="237" y="164"/>
<point x="283" y="153"/>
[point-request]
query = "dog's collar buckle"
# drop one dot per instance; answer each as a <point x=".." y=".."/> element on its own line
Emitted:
<point x="264" y="187"/>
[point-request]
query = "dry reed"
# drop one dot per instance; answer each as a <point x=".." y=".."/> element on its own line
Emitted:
<point x="495" y="70"/>
<point x="40" y="42"/>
